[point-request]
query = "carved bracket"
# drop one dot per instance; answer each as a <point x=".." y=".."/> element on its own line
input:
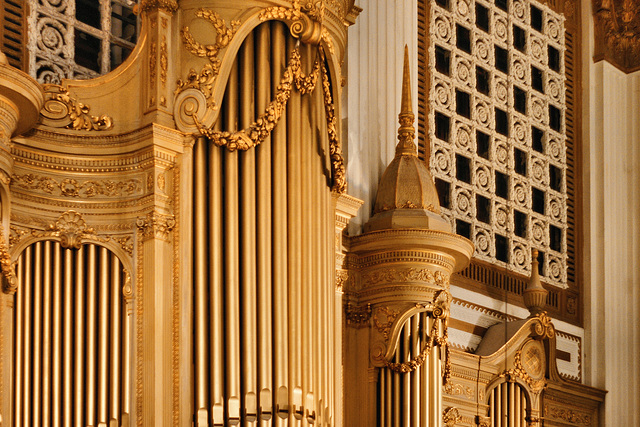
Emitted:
<point x="61" y="110"/>
<point x="357" y="316"/>
<point x="156" y="225"/>
<point x="9" y="279"/>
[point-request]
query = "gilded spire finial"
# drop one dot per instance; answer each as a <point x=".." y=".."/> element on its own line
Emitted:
<point x="535" y="296"/>
<point x="406" y="131"/>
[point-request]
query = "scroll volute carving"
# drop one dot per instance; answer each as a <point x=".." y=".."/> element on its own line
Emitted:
<point x="617" y="33"/>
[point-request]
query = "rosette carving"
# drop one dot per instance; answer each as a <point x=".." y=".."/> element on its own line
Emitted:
<point x="61" y="110"/>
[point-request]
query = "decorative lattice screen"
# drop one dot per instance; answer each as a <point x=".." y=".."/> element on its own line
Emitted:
<point x="497" y="130"/>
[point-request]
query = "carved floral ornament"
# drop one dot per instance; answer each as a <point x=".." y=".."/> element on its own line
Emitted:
<point x="62" y="110"/>
<point x="393" y="321"/>
<point x="195" y="106"/>
<point x="73" y="232"/>
<point x="618" y="32"/>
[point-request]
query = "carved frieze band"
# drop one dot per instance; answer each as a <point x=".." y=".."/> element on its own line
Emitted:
<point x="72" y="188"/>
<point x="62" y="110"/>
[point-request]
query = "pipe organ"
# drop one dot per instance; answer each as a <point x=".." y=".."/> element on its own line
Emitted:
<point x="172" y="248"/>
<point x="72" y="348"/>
<point x="262" y="265"/>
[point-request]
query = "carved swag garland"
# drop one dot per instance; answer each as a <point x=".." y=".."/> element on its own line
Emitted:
<point x="260" y="129"/>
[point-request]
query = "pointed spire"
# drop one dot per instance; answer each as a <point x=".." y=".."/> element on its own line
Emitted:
<point x="535" y="296"/>
<point x="406" y="131"/>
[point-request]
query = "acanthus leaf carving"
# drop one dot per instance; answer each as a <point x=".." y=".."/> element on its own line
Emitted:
<point x="156" y="225"/>
<point x="61" y="110"/>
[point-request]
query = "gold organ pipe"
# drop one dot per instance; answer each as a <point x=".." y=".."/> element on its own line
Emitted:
<point x="200" y="276"/>
<point x="46" y="333"/>
<point x="68" y="336"/>
<point x="523" y="409"/>
<point x="20" y="323"/>
<point x="498" y="405"/>
<point x="512" y="404"/>
<point x="248" y="219"/>
<point x="116" y="348"/>
<point x="494" y="404"/>
<point x="279" y="188"/>
<point x="263" y="159"/>
<point x="56" y="394"/>
<point x="307" y="257"/>
<point x="294" y="214"/>
<point x="126" y="360"/>
<point x="415" y="376"/>
<point x="91" y="343"/>
<point x="216" y="294"/>
<point x="28" y="332"/>
<point x="103" y="334"/>
<point x="406" y="378"/>
<point x="317" y="281"/>
<point x="397" y="394"/>
<point x="517" y="408"/>
<point x="330" y="283"/>
<point x="424" y="374"/>
<point x="232" y="268"/>
<point x="79" y="336"/>
<point x="36" y="397"/>
<point x="388" y="396"/>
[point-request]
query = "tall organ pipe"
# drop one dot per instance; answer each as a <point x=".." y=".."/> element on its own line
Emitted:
<point x="263" y="167"/>
<point x="68" y="318"/>
<point x="248" y="234"/>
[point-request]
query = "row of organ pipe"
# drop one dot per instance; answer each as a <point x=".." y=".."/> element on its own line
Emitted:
<point x="414" y="398"/>
<point x="508" y="406"/>
<point x="263" y="253"/>
<point x="72" y="338"/>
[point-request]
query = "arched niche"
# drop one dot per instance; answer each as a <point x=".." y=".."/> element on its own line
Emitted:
<point x="70" y="347"/>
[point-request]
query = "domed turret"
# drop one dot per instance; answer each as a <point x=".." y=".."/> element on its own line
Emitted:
<point x="407" y="196"/>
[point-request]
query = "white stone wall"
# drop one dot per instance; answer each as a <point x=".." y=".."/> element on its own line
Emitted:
<point x="374" y="62"/>
<point x="611" y="181"/>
